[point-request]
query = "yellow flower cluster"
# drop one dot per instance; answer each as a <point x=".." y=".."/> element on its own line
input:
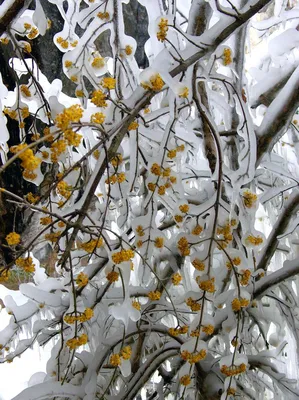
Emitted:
<point x="26" y="264"/>
<point x="225" y="231"/>
<point x="183" y="246"/>
<point x="255" y="240"/>
<point x="123" y="255"/>
<point x="136" y="305"/>
<point x="163" y="28"/>
<point x="198" y="264"/>
<point x="25" y="90"/>
<point x="140" y="230"/>
<point x="103" y="15"/>
<point x="178" y="218"/>
<point x="185" y="380"/>
<point x="208" y="329"/>
<point x="64" y="189"/>
<point x="72" y="138"/>
<point x="207" y="286"/>
<point x="108" y="83"/>
<point x="99" y="98"/>
<point x="4" y="274"/>
<point x="159" y="242"/>
<point x="171" y="154"/>
<point x="233" y="369"/>
<point x="115" y="360"/>
<point x="128" y="50"/>
<point x="97" y="118"/>
<point x="77" y="341"/>
<point x="156" y="169"/>
<point x="156" y="83"/>
<point x="235" y="261"/>
<point x="193" y="304"/>
<point x="53" y="237"/>
<point x="70" y="114"/>
<point x="13" y="239"/>
<point x="176" y="278"/>
<point x="126" y="353"/>
<point x="184" y="208"/>
<point x="249" y="199"/>
<point x="68" y="63"/>
<point x="82" y="280"/>
<point x="79" y="93"/>
<point x="133" y="126"/>
<point x="33" y="33"/>
<point x="154" y="295"/>
<point x="227" y="56"/>
<point x="83" y="317"/>
<point x="112" y="276"/>
<point x="98" y="62"/>
<point x="116" y="160"/>
<point x="63" y="43"/>
<point x="45" y="220"/>
<point x="193" y="358"/>
<point x="239" y="303"/>
<point x="116" y="178"/>
<point x="197" y="230"/>
<point x="91" y="246"/>
<point x="29" y="161"/>
<point x="178" y="331"/>
<point x="11" y="113"/>
<point x="245" y="277"/>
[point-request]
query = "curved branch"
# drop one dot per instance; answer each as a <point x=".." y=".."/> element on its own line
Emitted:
<point x="290" y="208"/>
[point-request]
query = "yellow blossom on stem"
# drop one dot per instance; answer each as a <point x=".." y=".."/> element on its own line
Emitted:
<point x="133" y="125"/>
<point x="98" y="62"/>
<point x="233" y="369"/>
<point x="163" y="28"/>
<point x="126" y="353"/>
<point x="26" y="264"/>
<point x="159" y="242"/>
<point x="128" y="50"/>
<point x="115" y="360"/>
<point x="227" y="56"/>
<point x="4" y="275"/>
<point x="112" y="276"/>
<point x="108" y="83"/>
<point x="136" y="305"/>
<point x="207" y="285"/>
<point x="123" y="255"/>
<point x="185" y="380"/>
<point x="176" y="278"/>
<point x="249" y="199"/>
<point x="184" y="208"/>
<point x="25" y="90"/>
<point x="99" y="98"/>
<point x="183" y="246"/>
<point x="97" y="118"/>
<point x="82" y="279"/>
<point x="13" y="239"/>
<point x="154" y="295"/>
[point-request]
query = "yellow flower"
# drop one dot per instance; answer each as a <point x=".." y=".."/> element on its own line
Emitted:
<point x="26" y="92"/>
<point x="208" y="285"/>
<point x="68" y="63"/>
<point x="70" y="114"/>
<point x="98" y="62"/>
<point x="159" y="242"/>
<point x="115" y="360"/>
<point x="72" y="138"/>
<point x="33" y="33"/>
<point x="163" y="28"/>
<point x="13" y="239"/>
<point x="171" y="154"/>
<point x="185" y="380"/>
<point x="133" y="125"/>
<point x="64" y="189"/>
<point x="249" y="199"/>
<point x="45" y="220"/>
<point x="99" y="98"/>
<point x="233" y="369"/>
<point x="162" y="190"/>
<point x="184" y="208"/>
<point x="193" y="304"/>
<point x="26" y="264"/>
<point x="227" y="56"/>
<point x="82" y="280"/>
<point x="139" y="230"/>
<point x="121" y="256"/>
<point x="112" y="276"/>
<point x="97" y="118"/>
<point x="208" y="329"/>
<point x="184" y="93"/>
<point x="108" y="83"/>
<point x="103" y="15"/>
<point x="126" y="353"/>
<point x="136" y="305"/>
<point x="176" y="278"/>
<point x="178" y="218"/>
<point x="154" y="295"/>
<point x="254" y="240"/>
<point x="183" y="246"/>
<point x="156" y="169"/>
<point x="245" y="277"/>
<point x="92" y="245"/>
<point x="156" y="83"/>
<point x="4" y="275"/>
<point x="128" y="50"/>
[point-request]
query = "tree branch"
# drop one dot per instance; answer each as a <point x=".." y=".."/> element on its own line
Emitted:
<point x="291" y="207"/>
